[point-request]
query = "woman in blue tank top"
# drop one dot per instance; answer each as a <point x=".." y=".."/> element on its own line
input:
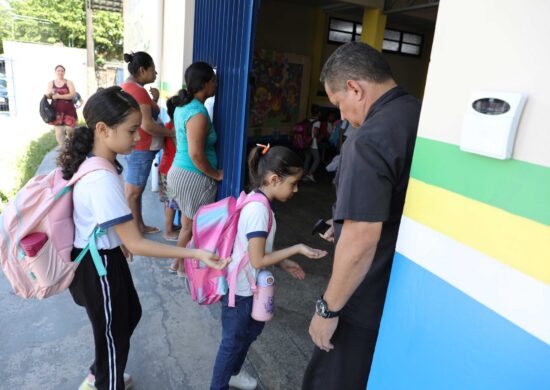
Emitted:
<point x="193" y="177"/>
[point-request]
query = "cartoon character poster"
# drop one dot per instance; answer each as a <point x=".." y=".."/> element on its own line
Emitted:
<point x="275" y="93"/>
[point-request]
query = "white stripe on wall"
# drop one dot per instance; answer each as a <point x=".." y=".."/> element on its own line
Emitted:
<point x="517" y="297"/>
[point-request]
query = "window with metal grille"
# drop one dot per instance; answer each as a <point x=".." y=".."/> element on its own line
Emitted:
<point x="402" y="42"/>
<point x="343" y="31"/>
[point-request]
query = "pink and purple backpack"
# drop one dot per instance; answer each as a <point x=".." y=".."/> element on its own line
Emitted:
<point x="215" y="230"/>
<point x="37" y="234"/>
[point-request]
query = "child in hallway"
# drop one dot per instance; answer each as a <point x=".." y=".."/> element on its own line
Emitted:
<point x="312" y="154"/>
<point x="274" y="173"/>
<point x="111" y="301"/>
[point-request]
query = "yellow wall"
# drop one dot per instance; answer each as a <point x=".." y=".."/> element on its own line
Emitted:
<point x="409" y="72"/>
<point x="285" y="27"/>
<point x="374" y="23"/>
<point x="317" y="61"/>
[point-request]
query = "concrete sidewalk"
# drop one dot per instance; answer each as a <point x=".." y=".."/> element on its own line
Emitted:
<point x="48" y="344"/>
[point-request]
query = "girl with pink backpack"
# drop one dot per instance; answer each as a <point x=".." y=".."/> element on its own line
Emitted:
<point x="111" y="301"/>
<point x="275" y="173"/>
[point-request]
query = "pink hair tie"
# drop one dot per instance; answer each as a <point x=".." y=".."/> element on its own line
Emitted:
<point x="265" y="148"/>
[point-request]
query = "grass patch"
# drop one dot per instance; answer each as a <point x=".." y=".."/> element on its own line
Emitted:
<point x="33" y="156"/>
<point x="28" y="163"/>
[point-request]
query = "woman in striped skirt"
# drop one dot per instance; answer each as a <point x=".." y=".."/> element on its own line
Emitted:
<point x="193" y="177"/>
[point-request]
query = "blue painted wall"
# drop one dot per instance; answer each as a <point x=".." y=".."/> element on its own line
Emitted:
<point x="224" y="37"/>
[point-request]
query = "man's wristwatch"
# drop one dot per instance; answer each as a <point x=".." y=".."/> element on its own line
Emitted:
<point x="321" y="308"/>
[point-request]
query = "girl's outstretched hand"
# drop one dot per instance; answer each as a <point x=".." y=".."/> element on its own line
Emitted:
<point x="293" y="269"/>
<point x="311" y="252"/>
<point x="211" y="259"/>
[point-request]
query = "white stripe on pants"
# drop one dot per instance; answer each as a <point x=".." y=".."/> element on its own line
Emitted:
<point x="108" y="320"/>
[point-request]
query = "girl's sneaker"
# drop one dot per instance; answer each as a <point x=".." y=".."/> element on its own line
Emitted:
<point x="243" y="381"/>
<point x="89" y="382"/>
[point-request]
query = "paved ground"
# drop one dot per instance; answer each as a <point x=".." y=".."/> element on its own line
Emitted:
<point x="48" y="344"/>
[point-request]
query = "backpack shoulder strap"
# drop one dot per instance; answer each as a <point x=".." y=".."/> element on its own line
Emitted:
<point x="261" y="198"/>
<point x="92" y="247"/>
<point x="89" y="165"/>
<point x="232" y="277"/>
<point x="92" y="164"/>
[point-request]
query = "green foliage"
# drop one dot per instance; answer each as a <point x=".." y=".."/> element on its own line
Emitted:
<point x="53" y="21"/>
<point x="33" y="156"/>
<point x="5" y="26"/>
<point x="3" y="197"/>
<point x="29" y="162"/>
<point x="108" y="35"/>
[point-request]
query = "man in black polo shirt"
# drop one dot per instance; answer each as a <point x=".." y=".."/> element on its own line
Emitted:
<point x="371" y="182"/>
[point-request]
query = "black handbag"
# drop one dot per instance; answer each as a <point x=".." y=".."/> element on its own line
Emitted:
<point x="47" y="111"/>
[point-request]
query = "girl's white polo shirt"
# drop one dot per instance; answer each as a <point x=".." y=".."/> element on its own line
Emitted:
<point x="253" y="222"/>
<point x="99" y="201"/>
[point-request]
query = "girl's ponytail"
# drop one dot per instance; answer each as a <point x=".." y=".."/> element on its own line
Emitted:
<point x="75" y="150"/>
<point x="279" y="160"/>
<point x="254" y="159"/>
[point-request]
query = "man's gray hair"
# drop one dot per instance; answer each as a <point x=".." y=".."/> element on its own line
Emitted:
<point x="354" y="61"/>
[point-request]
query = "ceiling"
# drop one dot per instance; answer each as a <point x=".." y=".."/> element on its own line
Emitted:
<point x="401" y="11"/>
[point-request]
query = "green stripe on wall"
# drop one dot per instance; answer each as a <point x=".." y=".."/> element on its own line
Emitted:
<point x="165" y="86"/>
<point x="518" y="187"/>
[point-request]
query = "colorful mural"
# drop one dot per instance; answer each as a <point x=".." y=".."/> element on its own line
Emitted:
<point x="275" y="94"/>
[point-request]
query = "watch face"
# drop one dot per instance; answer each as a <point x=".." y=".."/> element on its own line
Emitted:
<point x="321" y="307"/>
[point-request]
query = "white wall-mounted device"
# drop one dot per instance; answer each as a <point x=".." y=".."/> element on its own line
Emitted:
<point x="490" y="123"/>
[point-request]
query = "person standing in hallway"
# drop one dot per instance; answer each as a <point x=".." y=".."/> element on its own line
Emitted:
<point x="371" y="182"/>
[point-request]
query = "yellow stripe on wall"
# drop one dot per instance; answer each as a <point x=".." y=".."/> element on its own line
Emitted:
<point x="374" y="24"/>
<point x="513" y="240"/>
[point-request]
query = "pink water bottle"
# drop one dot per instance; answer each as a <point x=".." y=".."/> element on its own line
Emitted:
<point x="263" y="303"/>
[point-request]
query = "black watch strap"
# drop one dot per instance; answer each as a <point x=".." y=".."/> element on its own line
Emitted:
<point x="321" y="308"/>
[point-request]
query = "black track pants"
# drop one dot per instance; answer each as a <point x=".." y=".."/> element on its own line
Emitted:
<point x="112" y="304"/>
